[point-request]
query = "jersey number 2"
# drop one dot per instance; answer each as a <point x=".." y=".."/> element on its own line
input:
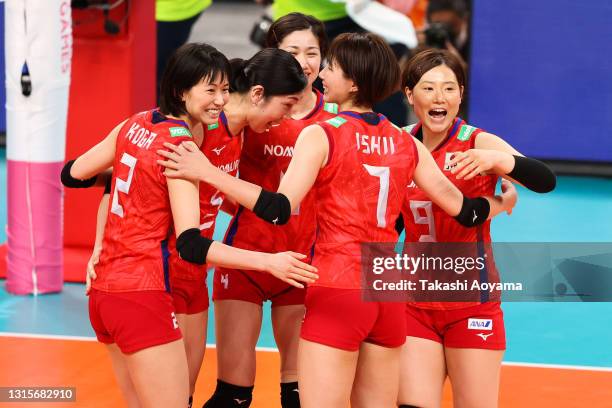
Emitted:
<point x="123" y="186"/>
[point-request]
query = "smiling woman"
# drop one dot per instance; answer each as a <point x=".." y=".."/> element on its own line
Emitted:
<point x="237" y="296"/>
<point x="146" y="343"/>
<point x="473" y="160"/>
<point x="264" y="89"/>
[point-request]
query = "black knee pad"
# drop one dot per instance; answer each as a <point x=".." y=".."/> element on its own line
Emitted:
<point x="290" y="395"/>
<point x="230" y="396"/>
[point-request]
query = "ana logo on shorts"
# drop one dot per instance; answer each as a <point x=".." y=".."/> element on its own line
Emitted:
<point x="480" y="324"/>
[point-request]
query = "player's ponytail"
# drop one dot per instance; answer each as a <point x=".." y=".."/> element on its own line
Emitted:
<point x="239" y="79"/>
<point x="274" y="69"/>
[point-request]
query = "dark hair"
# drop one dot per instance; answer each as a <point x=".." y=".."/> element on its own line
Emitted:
<point x="189" y="65"/>
<point x="458" y="7"/>
<point x="296" y="22"/>
<point x="369" y="62"/>
<point x="427" y="59"/>
<point x="274" y="69"/>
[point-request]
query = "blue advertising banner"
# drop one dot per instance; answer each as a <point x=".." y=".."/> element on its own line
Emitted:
<point x="541" y="76"/>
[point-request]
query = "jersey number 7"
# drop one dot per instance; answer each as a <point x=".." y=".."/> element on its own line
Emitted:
<point x="383" y="175"/>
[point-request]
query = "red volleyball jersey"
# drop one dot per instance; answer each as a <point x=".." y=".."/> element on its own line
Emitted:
<point x="223" y="150"/>
<point x="426" y="222"/>
<point x="359" y="193"/>
<point x="265" y="159"/>
<point x="139" y="216"/>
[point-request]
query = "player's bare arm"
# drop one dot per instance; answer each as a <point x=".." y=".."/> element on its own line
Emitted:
<point x="97" y="249"/>
<point x="185" y="212"/>
<point x="309" y="156"/>
<point x="187" y="161"/>
<point x="97" y="159"/>
<point x="494" y="155"/>
<point x="447" y="196"/>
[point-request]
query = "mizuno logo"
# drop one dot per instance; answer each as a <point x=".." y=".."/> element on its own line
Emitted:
<point x="274" y="221"/>
<point x="484" y="336"/>
<point x="225" y="280"/>
<point x="239" y="401"/>
<point x="218" y="150"/>
<point x="475" y="217"/>
<point x="412" y="184"/>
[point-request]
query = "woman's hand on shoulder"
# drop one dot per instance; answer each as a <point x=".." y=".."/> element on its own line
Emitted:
<point x="185" y="161"/>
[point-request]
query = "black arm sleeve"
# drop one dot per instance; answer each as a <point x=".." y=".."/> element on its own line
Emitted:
<point x="399" y="224"/>
<point x="533" y="174"/>
<point x="107" y="186"/>
<point x="192" y="246"/>
<point x="71" y="182"/>
<point x="274" y="208"/>
<point x="474" y="211"/>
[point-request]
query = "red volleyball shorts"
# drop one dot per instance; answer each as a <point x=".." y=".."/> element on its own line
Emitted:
<point x="339" y="318"/>
<point x="254" y="287"/>
<point x="480" y="326"/>
<point x="189" y="296"/>
<point x="133" y="320"/>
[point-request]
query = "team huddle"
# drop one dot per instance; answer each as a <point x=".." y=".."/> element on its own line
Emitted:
<point x="309" y="177"/>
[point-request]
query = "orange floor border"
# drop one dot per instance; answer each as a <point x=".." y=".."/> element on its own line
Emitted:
<point x="86" y="366"/>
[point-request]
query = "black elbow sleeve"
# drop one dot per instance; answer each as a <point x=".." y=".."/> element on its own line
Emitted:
<point x="399" y="224"/>
<point x="533" y="174"/>
<point x="274" y="208"/>
<point x="193" y="247"/>
<point x="107" y="185"/>
<point x="474" y="211"/>
<point x="71" y="182"/>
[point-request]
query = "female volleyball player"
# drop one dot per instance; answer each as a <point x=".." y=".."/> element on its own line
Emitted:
<point x="464" y="340"/>
<point x="221" y="143"/>
<point x="263" y="89"/>
<point x="359" y="165"/>
<point x="239" y="296"/>
<point x="130" y="308"/>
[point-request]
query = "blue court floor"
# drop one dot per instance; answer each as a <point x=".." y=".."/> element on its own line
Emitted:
<point x="576" y="334"/>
